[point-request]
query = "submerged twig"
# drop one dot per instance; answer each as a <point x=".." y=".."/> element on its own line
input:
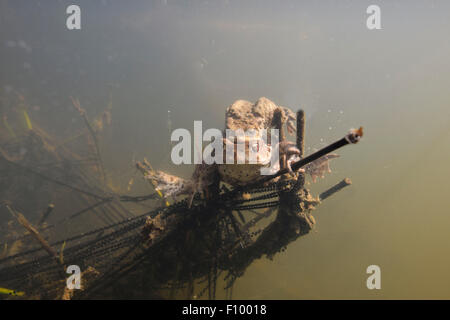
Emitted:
<point x="46" y="213"/>
<point x="300" y="143"/>
<point x="36" y="235"/>
<point x="301" y="132"/>
<point x="278" y="124"/>
<point x="337" y="187"/>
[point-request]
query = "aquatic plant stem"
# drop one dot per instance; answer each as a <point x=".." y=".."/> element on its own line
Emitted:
<point x="77" y="106"/>
<point x="27" y="169"/>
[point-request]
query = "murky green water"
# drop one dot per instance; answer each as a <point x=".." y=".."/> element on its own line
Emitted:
<point x="195" y="58"/>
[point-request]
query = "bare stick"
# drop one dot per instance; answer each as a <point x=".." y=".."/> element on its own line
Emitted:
<point x="337" y="187"/>
<point x="278" y="124"/>
<point x="36" y="235"/>
<point x="301" y="132"/>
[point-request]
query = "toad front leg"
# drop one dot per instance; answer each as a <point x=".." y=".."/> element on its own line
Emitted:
<point x="291" y="153"/>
